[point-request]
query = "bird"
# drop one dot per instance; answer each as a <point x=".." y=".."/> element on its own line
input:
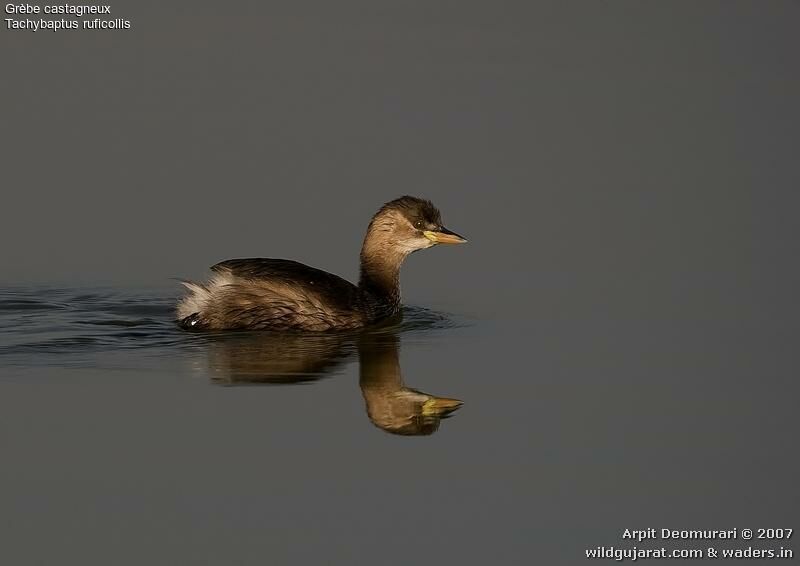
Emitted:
<point x="285" y="295"/>
<point x="391" y="406"/>
<point x="269" y="358"/>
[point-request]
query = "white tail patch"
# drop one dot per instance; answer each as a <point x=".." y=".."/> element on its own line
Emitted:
<point x="199" y="295"/>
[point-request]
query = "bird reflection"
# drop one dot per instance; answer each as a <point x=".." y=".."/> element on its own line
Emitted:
<point x="390" y="404"/>
<point x="274" y="357"/>
<point x="281" y="358"/>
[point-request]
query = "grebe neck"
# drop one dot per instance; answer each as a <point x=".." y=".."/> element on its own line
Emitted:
<point x="380" y="280"/>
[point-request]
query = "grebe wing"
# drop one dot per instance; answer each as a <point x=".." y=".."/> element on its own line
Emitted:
<point x="284" y="271"/>
<point x="278" y="293"/>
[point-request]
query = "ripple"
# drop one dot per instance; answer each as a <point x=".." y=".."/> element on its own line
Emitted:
<point x="122" y="322"/>
<point x="26" y="305"/>
<point x="52" y="326"/>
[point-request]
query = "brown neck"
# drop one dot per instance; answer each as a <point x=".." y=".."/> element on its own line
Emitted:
<point x="380" y="273"/>
<point x="380" y="278"/>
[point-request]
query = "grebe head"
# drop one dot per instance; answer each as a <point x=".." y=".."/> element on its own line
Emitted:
<point x="405" y="225"/>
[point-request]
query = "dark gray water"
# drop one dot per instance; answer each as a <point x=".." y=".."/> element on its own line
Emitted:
<point x="96" y="326"/>
<point x="622" y="327"/>
<point x="122" y="434"/>
<point x="106" y="328"/>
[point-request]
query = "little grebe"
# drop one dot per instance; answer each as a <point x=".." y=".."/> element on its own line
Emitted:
<point x="279" y="294"/>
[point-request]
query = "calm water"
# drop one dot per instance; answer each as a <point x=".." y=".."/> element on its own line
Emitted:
<point x="124" y="438"/>
<point x="111" y="329"/>
<point x="622" y="329"/>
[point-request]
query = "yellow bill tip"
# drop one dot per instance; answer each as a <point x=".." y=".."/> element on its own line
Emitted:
<point x="440" y="406"/>
<point x="444" y="237"/>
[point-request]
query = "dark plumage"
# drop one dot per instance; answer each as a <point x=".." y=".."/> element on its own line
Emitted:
<point x="280" y="294"/>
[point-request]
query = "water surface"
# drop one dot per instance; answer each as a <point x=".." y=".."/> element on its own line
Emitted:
<point x="126" y="436"/>
<point x="112" y="328"/>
